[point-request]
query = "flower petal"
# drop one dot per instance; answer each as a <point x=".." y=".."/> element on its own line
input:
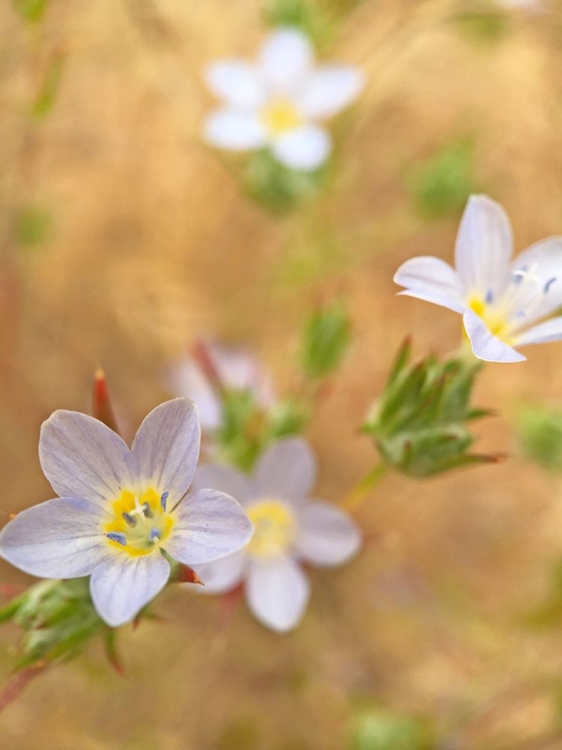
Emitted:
<point x="286" y="470"/>
<point x="285" y="58"/>
<point x="220" y="576"/>
<point x="544" y="333"/>
<point x="330" y="89"/>
<point x="121" y="585"/>
<point x="539" y="293"/>
<point x="234" y="130"/>
<point x="224" y="479"/>
<point x="166" y="447"/>
<point x="81" y="457"/>
<point x="326" y="536"/>
<point x="57" y="539"/>
<point x="277" y="592"/>
<point x="485" y="345"/>
<point x="209" y="525"/>
<point x="432" y="280"/>
<point x="305" y="148"/>
<point x="483" y="248"/>
<point x="237" y="82"/>
<point x="187" y="379"/>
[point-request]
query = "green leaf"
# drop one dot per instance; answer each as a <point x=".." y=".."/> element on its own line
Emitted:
<point x="441" y="184"/>
<point x="30" y="10"/>
<point x="539" y="429"/>
<point x="325" y="339"/>
<point x="382" y="730"/>
<point x="46" y="96"/>
<point x="304" y="15"/>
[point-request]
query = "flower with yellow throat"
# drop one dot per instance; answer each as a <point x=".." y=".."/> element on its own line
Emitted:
<point x="505" y="304"/>
<point x="118" y="509"/>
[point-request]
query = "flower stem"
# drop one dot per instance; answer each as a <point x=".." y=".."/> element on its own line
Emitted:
<point x="358" y="493"/>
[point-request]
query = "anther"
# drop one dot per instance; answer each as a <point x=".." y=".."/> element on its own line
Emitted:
<point x="548" y="284"/>
<point x="154" y="536"/>
<point x="117" y="536"/>
<point x="489" y="297"/>
<point x="163" y="500"/>
<point x="131" y="520"/>
<point x="146" y="510"/>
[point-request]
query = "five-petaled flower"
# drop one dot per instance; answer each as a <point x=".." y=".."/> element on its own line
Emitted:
<point x="119" y="508"/>
<point x="278" y="101"/>
<point x="289" y="529"/>
<point x="214" y="369"/>
<point x="504" y="304"/>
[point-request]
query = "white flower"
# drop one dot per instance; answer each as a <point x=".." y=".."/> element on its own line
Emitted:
<point x="289" y="529"/>
<point x="118" y="508"/>
<point x="504" y="304"/>
<point x="277" y="101"/>
<point x="219" y="367"/>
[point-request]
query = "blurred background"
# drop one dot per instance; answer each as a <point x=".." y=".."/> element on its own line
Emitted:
<point x="124" y="238"/>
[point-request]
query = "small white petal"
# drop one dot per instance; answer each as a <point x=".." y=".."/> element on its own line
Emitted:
<point x="61" y="538"/>
<point x="234" y="130"/>
<point x="285" y="58"/>
<point x="208" y="525"/>
<point x="305" y="148"/>
<point x="122" y="585"/>
<point x="166" y="447"/>
<point x="483" y="249"/>
<point x="277" y="592"/>
<point x="540" y="293"/>
<point x="187" y="379"/>
<point x="236" y="82"/>
<point x="81" y="457"/>
<point x="326" y="535"/>
<point x="432" y="280"/>
<point x="485" y="345"/>
<point x="224" y="479"/>
<point x="220" y="576"/>
<point x="240" y="370"/>
<point x="286" y="470"/>
<point x="544" y="333"/>
<point x="329" y="89"/>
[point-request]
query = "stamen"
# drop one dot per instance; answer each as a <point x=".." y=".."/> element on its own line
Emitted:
<point x="129" y="519"/>
<point x="146" y="509"/>
<point x="489" y="297"/>
<point x="117" y="536"/>
<point x="163" y="500"/>
<point x="548" y="284"/>
<point x="154" y="536"/>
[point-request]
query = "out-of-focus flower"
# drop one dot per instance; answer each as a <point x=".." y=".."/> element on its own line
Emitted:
<point x="289" y="529"/>
<point x="119" y="509"/>
<point x="214" y="369"/>
<point x="278" y="101"/>
<point x="504" y="304"/>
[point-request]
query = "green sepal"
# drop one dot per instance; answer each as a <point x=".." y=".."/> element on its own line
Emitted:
<point x="418" y="425"/>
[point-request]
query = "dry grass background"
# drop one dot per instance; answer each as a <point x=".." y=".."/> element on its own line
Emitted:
<point x="152" y="243"/>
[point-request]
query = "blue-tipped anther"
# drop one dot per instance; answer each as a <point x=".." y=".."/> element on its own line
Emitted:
<point x="548" y="284"/>
<point x="154" y="535"/>
<point x="131" y="520"/>
<point x="163" y="500"/>
<point x="489" y="297"/>
<point x="146" y="509"/>
<point x="117" y="536"/>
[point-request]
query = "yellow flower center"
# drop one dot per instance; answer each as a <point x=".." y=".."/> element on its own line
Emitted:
<point x="496" y="322"/>
<point x="274" y="529"/>
<point x="280" y="115"/>
<point x="140" y="522"/>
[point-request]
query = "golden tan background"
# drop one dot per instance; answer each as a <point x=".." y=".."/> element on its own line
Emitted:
<point x="151" y="242"/>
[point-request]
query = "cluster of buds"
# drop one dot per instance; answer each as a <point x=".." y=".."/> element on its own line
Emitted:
<point x="419" y="424"/>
